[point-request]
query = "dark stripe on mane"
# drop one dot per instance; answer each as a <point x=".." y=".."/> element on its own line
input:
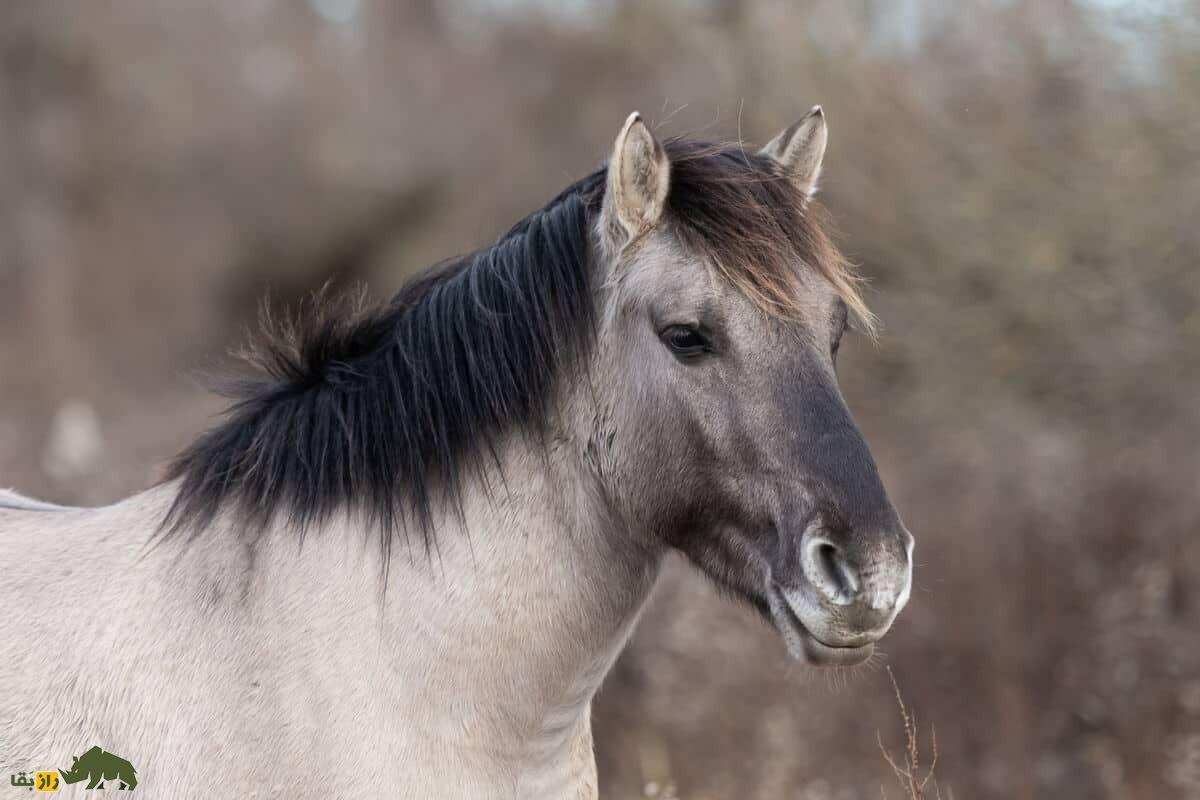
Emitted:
<point x="386" y="410"/>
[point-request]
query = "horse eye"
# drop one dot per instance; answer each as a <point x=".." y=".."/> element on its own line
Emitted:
<point x="685" y="341"/>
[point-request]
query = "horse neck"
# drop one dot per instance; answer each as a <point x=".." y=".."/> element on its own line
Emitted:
<point x="500" y="637"/>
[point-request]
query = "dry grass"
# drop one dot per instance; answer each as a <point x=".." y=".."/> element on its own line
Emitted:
<point x="907" y="768"/>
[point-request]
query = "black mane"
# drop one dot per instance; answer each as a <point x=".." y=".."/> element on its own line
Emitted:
<point x="384" y="411"/>
<point x="379" y="410"/>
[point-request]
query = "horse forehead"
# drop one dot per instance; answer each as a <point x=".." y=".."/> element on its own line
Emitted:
<point x="662" y="268"/>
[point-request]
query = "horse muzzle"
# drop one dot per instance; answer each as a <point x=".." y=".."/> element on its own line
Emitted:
<point x="839" y="605"/>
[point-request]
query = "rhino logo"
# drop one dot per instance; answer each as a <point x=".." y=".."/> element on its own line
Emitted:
<point x="98" y="766"/>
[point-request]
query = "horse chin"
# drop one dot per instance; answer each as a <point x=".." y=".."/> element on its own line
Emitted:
<point x="803" y="646"/>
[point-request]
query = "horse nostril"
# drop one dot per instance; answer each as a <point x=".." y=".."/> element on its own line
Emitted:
<point x="831" y="573"/>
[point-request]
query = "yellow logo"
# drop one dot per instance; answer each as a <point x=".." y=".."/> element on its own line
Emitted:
<point x="46" y="781"/>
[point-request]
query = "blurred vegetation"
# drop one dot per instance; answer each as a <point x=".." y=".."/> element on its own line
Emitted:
<point x="1020" y="179"/>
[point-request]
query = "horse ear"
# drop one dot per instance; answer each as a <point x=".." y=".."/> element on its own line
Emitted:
<point x="800" y="150"/>
<point x="639" y="175"/>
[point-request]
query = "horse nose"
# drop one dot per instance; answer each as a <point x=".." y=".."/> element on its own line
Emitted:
<point x="864" y="597"/>
<point x="836" y="580"/>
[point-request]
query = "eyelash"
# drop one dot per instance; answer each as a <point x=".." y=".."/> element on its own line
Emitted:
<point x="685" y="341"/>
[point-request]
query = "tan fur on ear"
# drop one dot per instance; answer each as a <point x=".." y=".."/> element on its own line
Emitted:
<point x="638" y="180"/>
<point x="800" y="149"/>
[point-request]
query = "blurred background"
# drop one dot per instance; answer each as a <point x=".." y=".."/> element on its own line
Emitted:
<point x="1020" y="180"/>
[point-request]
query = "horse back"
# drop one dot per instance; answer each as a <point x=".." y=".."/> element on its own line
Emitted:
<point x="11" y="501"/>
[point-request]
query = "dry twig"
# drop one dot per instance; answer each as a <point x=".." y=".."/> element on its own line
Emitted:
<point x="908" y="770"/>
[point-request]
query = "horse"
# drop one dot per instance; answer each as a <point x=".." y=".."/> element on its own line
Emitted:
<point x="404" y="560"/>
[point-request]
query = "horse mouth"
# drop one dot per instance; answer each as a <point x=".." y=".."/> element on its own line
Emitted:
<point x="802" y="645"/>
